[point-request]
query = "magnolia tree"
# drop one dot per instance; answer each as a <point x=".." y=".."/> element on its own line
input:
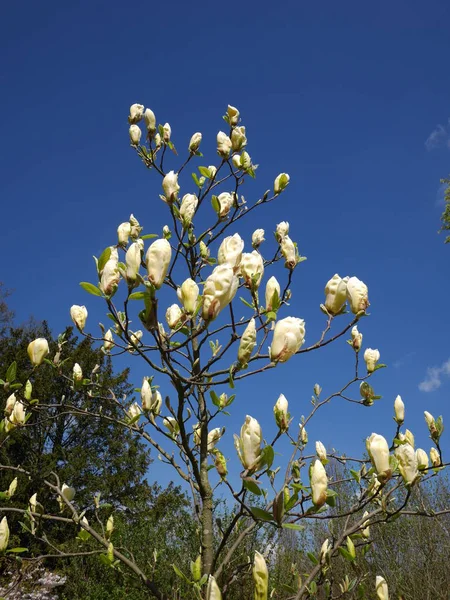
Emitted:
<point x="211" y="315"/>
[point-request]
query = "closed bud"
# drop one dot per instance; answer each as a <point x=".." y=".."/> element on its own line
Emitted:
<point x="123" y="233"/>
<point x="136" y="113"/>
<point x="289" y="251"/>
<point x="37" y="350"/>
<point x="247" y="344"/>
<point x="135" y="227"/>
<point x="204" y="250"/>
<point x="213" y="437"/>
<point x="67" y="492"/>
<point x="156" y="403"/>
<point x="246" y="161"/>
<point x="226" y="201"/>
<point x="378" y="450"/>
<point x="252" y="269"/>
<point x="288" y="337"/>
<point x="133" y="262"/>
<point x="280" y="410"/>
<point x="407" y="463"/>
<point x="357" y="339"/>
<point x="357" y="295"/>
<point x="280" y="183"/>
<point x="79" y="315"/>
<point x="409" y="437"/>
<point x="166" y="232"/>
<point x="272" y="294"/>
<point x="109" y="526"/>
<point x="12" y="488"/>
<point x="4" y="534"/>
<point x="170" y="186"/>
<point x="188" y="295"/>
<point x="248" y="444"/>
<point x="135" y="135"/>
<point x="173" y="316"/>
<point x="135" y="339"/>
<point x="381" y="588"/>
<point x="321" y="452"/>
<point x="150" y="120"/>
<point x="303" y="434"/>
<point x="260" y="577"/>
<point x="223" y="144"/>
<point x="77" y="373"/>
<point x="371" y="357"/>
<point x="220" y="463"/>
<point x="10" y="402"/>
<point x="157" y="260"/>
<point x="219" y="290"/>
<point x="212" y="171"/>
<point x="282" y="231"/>
<point x="236" y="160"/>
<point x="365" y="531"/>
<point x="233" y="115"/>
<point x="213" y="591"/>
<point x="108" y="341"/>
<point x="421" y="459"/>
<point x="238" y="139"/>
<point x="336" y="294"/>
<point x="194" y="144"/>
<point x="257" y="238"/>
<point x="435" y="457"/>
<point x="110" y="275"/>
<point x="134" y="411"/>
<point x="171" y="425"/>
<point x="325" y="552"/>
<point x="187" y="209"/>
<point x="431" y="423"/>
<point x="17" y="416"/>
<point x="146" y="395"/>
<point x="319" y="483"/>
<point x="158" y="141"/>
<point x="167" y="132"/>
<point x="230" y="251"/>
<point x="399" y="409"/>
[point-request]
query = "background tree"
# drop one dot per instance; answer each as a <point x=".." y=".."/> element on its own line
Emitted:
<point x="445" y="218"/>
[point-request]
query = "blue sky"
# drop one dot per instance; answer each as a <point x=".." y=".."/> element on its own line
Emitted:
<point x="352" y="100"/>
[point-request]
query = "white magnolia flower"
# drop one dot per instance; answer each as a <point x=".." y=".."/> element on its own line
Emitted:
<point x="173" y="316"/>
<point x="336" y="294"/>
<point x="133" y="261"/>
<point x="219" y="290"/>
<point x="79" y="315"/>
<point x="195" y="142"/>
<point x="187" y="208"/>
<point x="282" y="231"/>
<point x="399" y="409"/>
<point x="136" y="113"/>
<point x="233" y="115"/>
<point x="378" y="450"/>
<point x="257" y="238"/>
<point x="247" y="343"/>
<point x="288" y="337"/>
<point x="123" y="233"/>
<point x="272" y="294"/>
<point x="157" y="260"/>
<point x="188" y="295"/>
<point x="371" y="357"/>
<point x="281" y="412"/>
<point x="135" y="135"/>
<point x="170" y="186"/>
<point x="230" y="251"/>
<point x="252" y="269"/>
<point x="248" y="444"/>
<point x="223" y="144"/>
<point x="407" y="463"/>
<point x="280" y="183"/>
<point x="150" y="120"/>
<point x="319" y="483"/>
<point x="289" y="251"/>
<point x="357" y="295"/>
<point x="37" y="350"/>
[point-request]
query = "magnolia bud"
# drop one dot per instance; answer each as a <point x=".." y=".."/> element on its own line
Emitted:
<point x="257" y="238"/>
<point x="123" y="233"/>
<point x="220" y="463"/>
<point x="212" y="591"/>
<point x="134" y="411"/>
<point x="303" y="434"/>
<point x="135" y="227"/>
<point x="68" y="492"/>
<point x="289" y="251"/>
<point x="212" y="171"/>
<point x="37" y="351"/>
<point x="133" y="262"/>
<point x="319" y="483"/>
<point x="188" y="208"/>
<point x="236" y="160"/>
<point x="378" y="450"/>
<point x="10" y="404"/>
<point x="79" y="315"/>
<point x="12" y="488"/>
<point x="223" y="144"/>
<point x="357" y="339"/>
<point x="146" y="395"/>
<point x="197" y="434"/>
<point x="157" y="260"/>
<point x="280" y="183"/>
<point x="230" y="251"/>
<point x="156" y="402"/>
<point x="4" y="534"/>
<point x="371" y="357"/>
<point x="173" y="316"/>
<point x="233" y="115"/>
<point x="260" y="577"/>
<point x="321" y="452"/>
<point x="421" y="459"/>
<point x="77" y="373"/>
<point x="238" y="138"/>
<point x="282" y="231"/>
<point x="381" y="588"/>
<point x="280" y="410"/>
<point x="407" y="463"/>
<point x="188" y="295"/>
<point x="158" y="142"/>
<point x="110" y="275"/>
<point x="166" y="232"/>
<point x="272" y="294"/>
<point x="108" y="342"/>
<point x="135" y="135"/>
<point x="435" y="457"/>
<point x="195" y="142"/>
<point x="135" y="338"/>
<point x="245" y="160"/>
<point x="167" y="132"/>
<point x="219" y="290"/>
<point x="226" y="201"/>
<point x="399" y="409"/>
<point x="336" y="294"/>
<point x="170" y="186"/>
<point x="109" y="526"/>
<point x="136" y="113"/>
<point x="430" y="422"/>
<point x="248" y="444"/>
<point x="252" y="269"/>
<point x="172" y="425"/>
<point x="357" y="295"/>
<point x="16" y="417"/>
<point x="288" y="337"/>
<point x="325" y="551"/>
<point x="365" y="532"/>
<point x="247" y="343"/>
<point x="408" y="437"/>
<point x="150" y="120"/>
<point x="213" y="437"/>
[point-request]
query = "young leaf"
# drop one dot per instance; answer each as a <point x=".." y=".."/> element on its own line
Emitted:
<point x="11" y="372"/>
<point x="90" y="288"/>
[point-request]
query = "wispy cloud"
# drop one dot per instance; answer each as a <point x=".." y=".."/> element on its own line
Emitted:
<point x="440" y="136"/>
<point x="403" y="360"/>
<point x="434" y="376"/>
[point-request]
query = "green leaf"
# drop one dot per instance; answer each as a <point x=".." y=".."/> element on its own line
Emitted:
<point x="214" y="398"/>
<point x="104" y="257"/>
<point x="261" y="514"/>
<point x="11" y="372"/>
<point x="180" y="573"/>
<point x="293" y="526"/>
<point x="215" y="204"/>
<point x="195" y="178"/>
<point x="90" y="288"/>
<point x="356" y="475"/>
<point x="346" y="554"/>
<point x="149" y="236"/>
<point x="136" y="296"/>
<point x="205" y="172"/>
<point x="246" y="303"/>
<point x="267" y="456"/>
<point x="252" y="486"/>
<point x="17" y="550"/>
<point x="230" y="378"/>
<point x="313" y="558"/>
<point x="288" y="588"/>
